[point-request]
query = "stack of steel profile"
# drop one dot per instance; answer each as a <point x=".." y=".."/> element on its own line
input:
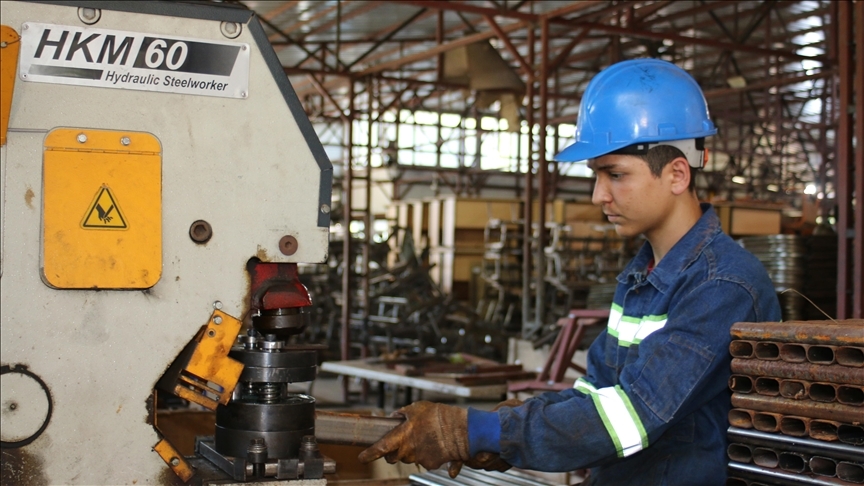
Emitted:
<point x="797" y="404"/>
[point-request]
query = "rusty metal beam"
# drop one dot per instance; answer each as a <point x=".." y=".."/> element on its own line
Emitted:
<point x="472" y="9"/>
<point x="410" y="20"/>
<point x="842" y="333"/>
<point x="526" y="68"/>
<point x="419" y="56"/>
<point x="777" y="81"/>
<point x="843" y="162"/>
<point x="858" y="169"/>
<point x="326" y="95"/>
<point x="626" y="31"/>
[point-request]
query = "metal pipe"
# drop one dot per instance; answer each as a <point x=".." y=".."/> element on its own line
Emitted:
<point x="839" y="333"/>
<point x="765" y="457"/>
<point x="741" y="383"/>
<point x="822" y="392"/>
<point x="793" y="352"/>
<point x="740" y="452"/>
<point x="850" y="395"/>
<point x="821" y="354"/>
<point x="824" y="411"/>
<point x="741" y="349"/>
<point x="766" y="421"/>
<point x="542" y="170"/>
<point x="767" y="350"/>
<point x="527" y="318"/>
<point x="795" y="426"/>
<point x="799" y="371"/>
<point x="793" y="389"/>
<point x="796" y="444"/>
<point x="349" y="429"/>
<point x="850" y="356"/>
<point x="851" y="434"/>
<point x="767" y="386"/>
<point x="823" y="466"/>
<point x="858" y="169"/>
<point x="824" y="429"/>
<point x="741" y="418"/>
<point x="792" y="462"/>
<point x="849" y="471"/>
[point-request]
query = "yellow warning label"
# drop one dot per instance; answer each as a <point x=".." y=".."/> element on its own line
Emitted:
<point x="104" y="213"/>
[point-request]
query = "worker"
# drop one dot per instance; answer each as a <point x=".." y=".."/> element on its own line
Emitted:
<point x="653" y="406"/>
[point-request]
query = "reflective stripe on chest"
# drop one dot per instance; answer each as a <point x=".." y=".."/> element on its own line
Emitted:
<point x="630" y="330"/>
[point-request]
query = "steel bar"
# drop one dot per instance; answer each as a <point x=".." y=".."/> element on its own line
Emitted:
<point x="825" y="411"/>
<point x="810" y="447"/>
<point x="849" y="471"/>
<point x="348" y="429"/>
<point x="799" y="371"/>
<point x="839" y="333"/>
<point x="776" y="476"/>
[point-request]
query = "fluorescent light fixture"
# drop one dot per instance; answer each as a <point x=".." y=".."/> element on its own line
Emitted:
<point x="738" y="180"/>
<point x="736" y="82"/>
<point x="810" y="189"/>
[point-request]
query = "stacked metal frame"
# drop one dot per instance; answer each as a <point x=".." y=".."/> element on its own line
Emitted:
<point x="797" y="412"/>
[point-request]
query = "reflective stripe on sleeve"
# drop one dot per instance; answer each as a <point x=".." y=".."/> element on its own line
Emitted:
<point x="632" y="330"/>
<point x="618" y="416"/>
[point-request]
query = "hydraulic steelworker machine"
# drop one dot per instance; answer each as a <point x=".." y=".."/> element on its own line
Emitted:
<point x="160" y="182"/>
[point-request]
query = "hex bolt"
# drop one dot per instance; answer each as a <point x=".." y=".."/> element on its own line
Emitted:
<point x="217" y="320"/>
<point x="200" y="231"/>
<point x="125" y="140"/>
<point x="325" y="208"/>
<point x="175" y="462"/>
<point x="217" y="304"/>
<point x="81" y="138"/>
<point x="288" y="245"/>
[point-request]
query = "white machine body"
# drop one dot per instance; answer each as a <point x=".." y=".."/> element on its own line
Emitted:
<point x="241" y="157"/>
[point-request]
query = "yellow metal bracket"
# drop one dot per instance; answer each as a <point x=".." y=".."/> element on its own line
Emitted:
<point x="174" y="460"/>
<point x="10" y="45"/>
<point x="203" y="373"/>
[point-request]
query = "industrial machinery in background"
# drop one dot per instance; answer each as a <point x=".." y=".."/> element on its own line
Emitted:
<point x="798" y="403"/>
<point x="156" y="168"/>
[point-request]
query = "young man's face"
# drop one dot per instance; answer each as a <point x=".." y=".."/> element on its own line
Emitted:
<point x="634" y="200"/>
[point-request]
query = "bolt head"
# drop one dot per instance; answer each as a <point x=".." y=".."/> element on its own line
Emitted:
<point x="217" y="304"/>
<point x="217" y="320"/>
<point x="175" y="462"/>
<point x="125" y="140"/>
<point x="81" y="138"/>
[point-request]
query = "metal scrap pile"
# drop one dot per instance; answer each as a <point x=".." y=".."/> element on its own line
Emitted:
<point x="798" y="403"/>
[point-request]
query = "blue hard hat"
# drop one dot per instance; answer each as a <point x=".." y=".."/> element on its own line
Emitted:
<point x="638" y="101"/>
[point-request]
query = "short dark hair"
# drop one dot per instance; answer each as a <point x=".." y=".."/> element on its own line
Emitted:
<point x="659" y="156"/>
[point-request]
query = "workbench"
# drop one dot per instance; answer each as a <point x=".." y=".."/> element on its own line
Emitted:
<point x="376" y="371"/>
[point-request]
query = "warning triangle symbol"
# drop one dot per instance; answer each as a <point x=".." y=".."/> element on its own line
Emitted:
<point x="104" y="213"/>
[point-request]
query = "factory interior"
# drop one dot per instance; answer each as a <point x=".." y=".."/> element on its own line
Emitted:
<point x="236" y="237"/>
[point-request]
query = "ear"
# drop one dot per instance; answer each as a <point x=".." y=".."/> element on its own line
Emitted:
<point x="679" y="175"/>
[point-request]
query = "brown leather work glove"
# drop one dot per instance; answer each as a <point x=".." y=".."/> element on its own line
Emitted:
<point x="488" y="461"/>
<point x="431" y="435"/>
